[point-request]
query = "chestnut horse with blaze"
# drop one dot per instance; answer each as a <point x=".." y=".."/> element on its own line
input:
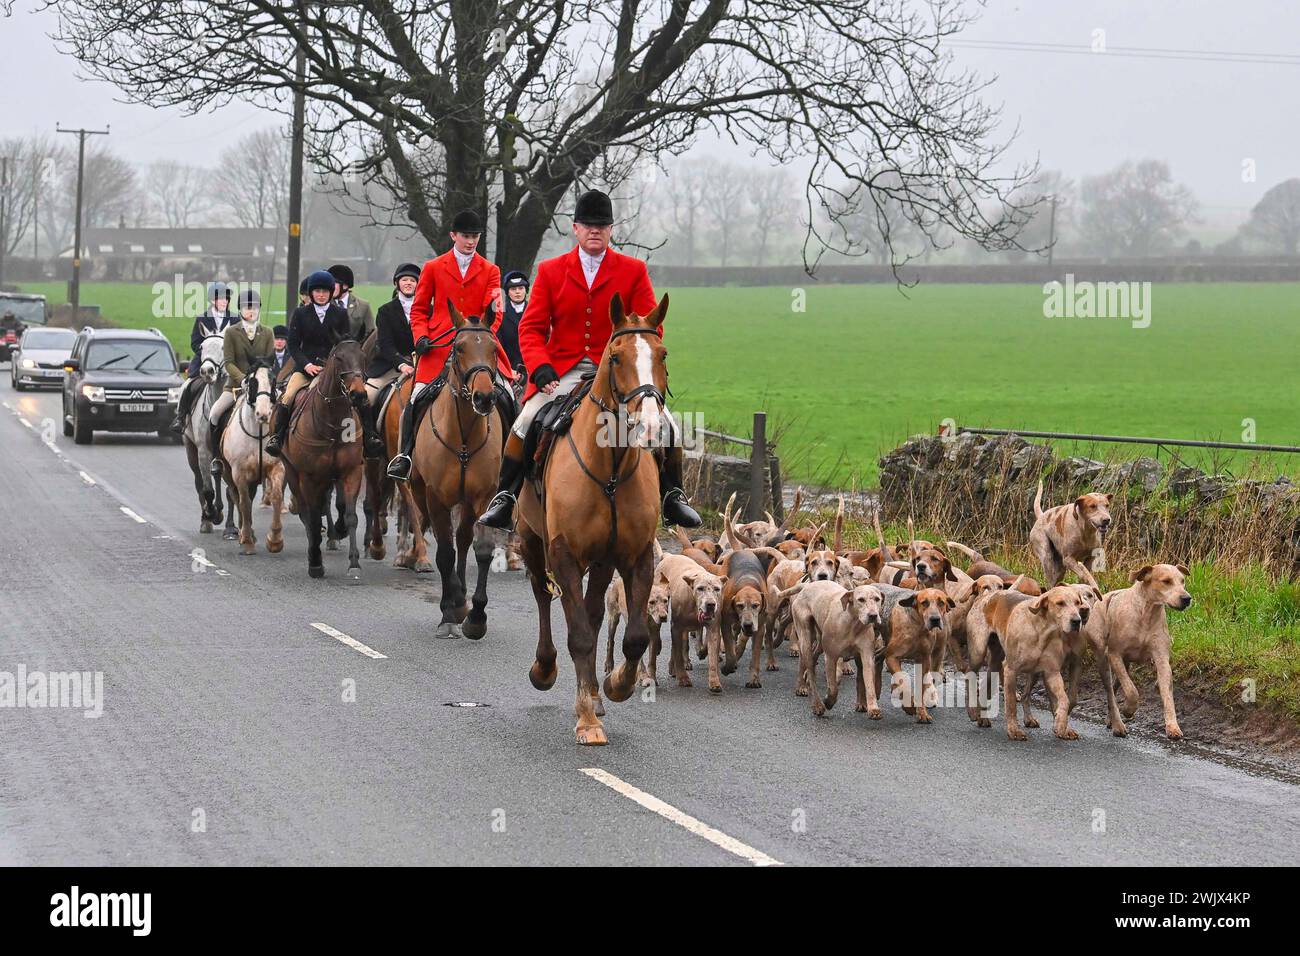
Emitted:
<point x="597" y="511"/>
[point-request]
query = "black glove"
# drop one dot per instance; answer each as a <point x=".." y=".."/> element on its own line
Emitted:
<point x="423" y="345"/>
<point x="544" y="375"/>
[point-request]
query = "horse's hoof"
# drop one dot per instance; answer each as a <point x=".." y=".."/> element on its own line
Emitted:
<point x="229" y="535"/>
<point x="614" y="692"/>
<point x="205" y="528"/>
<point x="331" y="545"/>
<point x="316" y="570"/>
<point x="540" y="679"/>
<point x="247" y="549"/>
<point x="403" y="561"/>
<point x="274" y="546"/>
<point x="448" y="631"/>
<point x="376" y="553"/>
<point x="423" y="567"/>
<point x="593" y="736"/>
<point x="474" y="630"/>
<point x="354" y="573"/>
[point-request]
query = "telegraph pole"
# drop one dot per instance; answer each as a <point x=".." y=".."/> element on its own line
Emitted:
<point x="4" y="231"/>
<point x="74" y="291"/>
<point x="295" y="186"/>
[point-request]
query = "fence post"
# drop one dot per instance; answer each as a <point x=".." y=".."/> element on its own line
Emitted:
<point x="778" y="494"/>
<point x="758" y="468"/>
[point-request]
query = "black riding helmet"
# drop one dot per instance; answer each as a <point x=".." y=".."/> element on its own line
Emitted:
<point x="406" y="269"/>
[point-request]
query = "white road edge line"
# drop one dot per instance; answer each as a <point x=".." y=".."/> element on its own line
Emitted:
<point x="683" y="820"/>
<point x="351" y="642"/>
<point x="131" y="514"/>
<point x="86" y="478"/>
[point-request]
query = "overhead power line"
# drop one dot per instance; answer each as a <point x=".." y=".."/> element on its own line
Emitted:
<point x="1134" y="52"/>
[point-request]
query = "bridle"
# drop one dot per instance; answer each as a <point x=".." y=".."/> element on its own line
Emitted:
<point x="466" y="378"/>
<point x="609" y="486"/>
<point x="621" y="400"/>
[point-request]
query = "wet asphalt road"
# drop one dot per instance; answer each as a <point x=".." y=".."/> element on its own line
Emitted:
<point x="225" y="736"/>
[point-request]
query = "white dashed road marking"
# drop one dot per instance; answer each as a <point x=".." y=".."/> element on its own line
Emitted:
<point x="351" y="642"/>
<point x="683" y="820"/>
<point x="86" y="478"/>
<point x="131" y="514"/>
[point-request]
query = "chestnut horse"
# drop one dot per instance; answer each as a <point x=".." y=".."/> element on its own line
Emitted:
<point x="324" y="449"/>
<point x="597" y="512"/>
<point x="456" y="462"/>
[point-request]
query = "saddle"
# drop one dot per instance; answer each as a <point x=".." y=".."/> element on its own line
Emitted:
<point x="552" y="420"/>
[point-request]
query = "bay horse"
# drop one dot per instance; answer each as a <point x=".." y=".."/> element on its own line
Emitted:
<point x="246" y="464"/>
<point x="455" y="465"/>
<point x="324" y="449"/>
<point x="197" y="438"/>
<point x="596" y="511"/>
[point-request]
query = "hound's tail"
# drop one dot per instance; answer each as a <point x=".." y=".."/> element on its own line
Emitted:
<point x="969" y="552"/>
<point x="682" y="538"/>
<point x="839" y="527"/>
<point x="880" y="535"/>
<point x="1038" y="501"/>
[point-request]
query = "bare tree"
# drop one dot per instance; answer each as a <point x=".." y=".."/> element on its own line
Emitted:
<point x="110" y="194"/>
<point x="252" y="180"/>
<point x="1275" y="220"/>
<point x="24" y="188"/>
<point x="726" y="203"/>
<point x="775" y="201"/>
<point x="683" y="189"/>
<point x="178" y="193"/>
<point x="451" y="97"/>
<point x="1050" y="203"/>
<point x="1135" y="210"/>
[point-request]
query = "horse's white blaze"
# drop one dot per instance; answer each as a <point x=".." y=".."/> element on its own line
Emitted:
<point x="649" y="408"/>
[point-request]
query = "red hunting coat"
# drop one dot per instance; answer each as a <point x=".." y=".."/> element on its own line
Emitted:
<point x="440" y="280"/>
<point x="565" y="320"/>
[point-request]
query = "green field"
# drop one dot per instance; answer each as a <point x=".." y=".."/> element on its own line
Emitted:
<point x="865" y="366"/>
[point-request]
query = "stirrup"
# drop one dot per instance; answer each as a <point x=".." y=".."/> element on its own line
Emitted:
<point x="177" y="426"/>
<point x="500" y="511"/>
<point x="677" y="510"/>
<point x="214" y="468"/>
<point x="399" y="469"/>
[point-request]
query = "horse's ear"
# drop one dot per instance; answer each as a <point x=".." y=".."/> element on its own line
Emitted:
<point x="616" y="314"/>
<point x="659" y="313"/>
<point x="456" y="318"/>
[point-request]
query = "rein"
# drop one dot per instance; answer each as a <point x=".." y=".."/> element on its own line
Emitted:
<point x="609" y="486"/>
<point x="314" y="392"/>
<point x="464" y="393"/>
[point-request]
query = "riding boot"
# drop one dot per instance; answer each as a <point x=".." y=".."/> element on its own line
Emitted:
<point x="501" y="509"/>
<point x="214" y="442"/>
<point x="372" y="441"/>
<point x="183" y="407"/>
<point x="276" y="441"/>
<point x="676" y="508"/>
<point x="399" y="469"/>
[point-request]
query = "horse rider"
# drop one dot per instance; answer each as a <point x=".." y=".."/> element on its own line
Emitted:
<point x="361" y="318"/>
<point x="512" y="311"/>
<point x="313" y="330"/>
<point x="394" y="346"/>
<point x="563" y="335"/>
<point x="215" y="321"/>
<point x="474" y="285"/>
<point x="246" y="343"/>
<point x="281" y="333"/>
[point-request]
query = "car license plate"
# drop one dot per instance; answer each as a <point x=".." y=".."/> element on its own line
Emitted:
<point x="52" y="373"/>
<point x="136" y="407"/>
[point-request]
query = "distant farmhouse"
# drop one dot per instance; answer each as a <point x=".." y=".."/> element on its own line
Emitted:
<point x="153" y="254"/>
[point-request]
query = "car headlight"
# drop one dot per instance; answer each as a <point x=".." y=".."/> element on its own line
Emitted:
<point x="93" y="392"/>
<point x="28" y="363"/>
<point x="174" y="394"/>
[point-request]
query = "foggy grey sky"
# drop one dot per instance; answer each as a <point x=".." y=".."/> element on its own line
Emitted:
<point x="1079" y="113"/>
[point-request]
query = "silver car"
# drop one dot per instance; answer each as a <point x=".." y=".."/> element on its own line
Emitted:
<point x="40" y="356"/>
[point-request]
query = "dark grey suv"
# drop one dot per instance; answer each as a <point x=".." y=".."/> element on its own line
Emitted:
<point x="120" y="380"/>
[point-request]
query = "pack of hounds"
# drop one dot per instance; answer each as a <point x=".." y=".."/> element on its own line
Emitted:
<point x="764" y="584"/>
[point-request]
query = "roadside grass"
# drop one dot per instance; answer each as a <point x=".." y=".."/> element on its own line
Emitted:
<point x="866" y="366"/>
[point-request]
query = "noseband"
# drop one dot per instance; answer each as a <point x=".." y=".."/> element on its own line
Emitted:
<point x="466" y="376"/>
